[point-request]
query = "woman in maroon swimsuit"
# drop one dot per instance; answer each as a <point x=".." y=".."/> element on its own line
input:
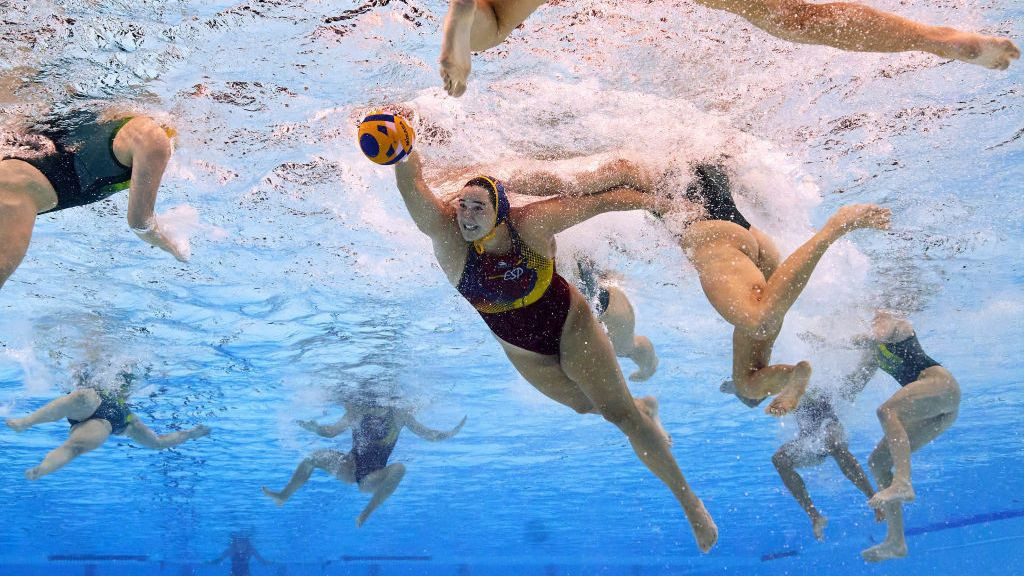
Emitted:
<point x="502" y="260"/>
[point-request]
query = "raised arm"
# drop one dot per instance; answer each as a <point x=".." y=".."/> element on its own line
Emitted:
<point x="612" y="174"/>
<point x="330" y="430"/>
<point x="143" y="145"/>
<point x="540" y="221"/>
<point x="431" y="216"/>
<point x="430" y="434"/>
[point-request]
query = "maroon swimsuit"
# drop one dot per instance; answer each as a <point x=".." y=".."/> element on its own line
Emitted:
<point x="519" y="295"/>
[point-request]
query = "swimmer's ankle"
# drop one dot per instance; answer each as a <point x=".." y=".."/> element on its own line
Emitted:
<point x="144" y="228"/>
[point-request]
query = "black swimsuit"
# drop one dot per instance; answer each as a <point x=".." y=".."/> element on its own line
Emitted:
<point x="711" y="190"/>
<point x="813" y="414"/>
<point x="373" y="439"/>
<point x="903" y="360"/>
<point x="591" y="287"/>
<point x="81" y="167"/>
<point x="113" y="408"/>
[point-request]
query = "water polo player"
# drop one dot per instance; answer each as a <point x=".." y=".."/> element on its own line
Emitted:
<point x="820" y="436"/>
<point x="741" y="275"/>
<point x="95" y="412"/>
<point x="926" y="405"/>
<point x="477" y="25"/>
<point x="613" y="309"/>
<point x="79" y="159"/>
<point x="375" y="429"/>
<point x="501" y="259"/>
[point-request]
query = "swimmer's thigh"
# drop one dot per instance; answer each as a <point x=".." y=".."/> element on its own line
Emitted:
<point x="17" y="218"/>
<point x="620" y="320"/>
<point x="88" y="435"/>
<point x="336" y="463"/>
<point x="935" y="393"/>
<point x="546" y="375"/>
<point x="733" y="285"/>
<point x="588" y="359"/>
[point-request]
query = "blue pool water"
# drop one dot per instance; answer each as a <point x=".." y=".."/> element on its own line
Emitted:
<point x="308" y="279"/>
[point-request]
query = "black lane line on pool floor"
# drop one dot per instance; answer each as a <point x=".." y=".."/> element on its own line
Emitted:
<point x="937" y="527"/>
<point x="97" y="558"/>
<point x="347" y="558"/>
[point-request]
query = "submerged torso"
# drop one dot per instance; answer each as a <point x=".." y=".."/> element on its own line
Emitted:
<point x="495" y="283"/>
<point x="903" y="360"/>
<point x="373" y="439"/>
<point x="81" y="165"/>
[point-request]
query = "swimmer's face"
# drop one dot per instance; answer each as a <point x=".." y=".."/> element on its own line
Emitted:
<point x="474" y="213"/>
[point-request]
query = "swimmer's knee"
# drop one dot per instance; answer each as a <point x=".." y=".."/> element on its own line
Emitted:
<point x="745" y="386"/>
<point x="79" y="448"/>
<point x="886" y="412"/>
<point x="757" y="321"/>
<point x="781" y="460"/>
<point x="879" y="459"/>
<point x="83" y="445"/>
<point x="620" y="415"/>
<point x="582" y="408"/>
<point x="86" y="397"/>
<point x="397" y="470"/>
<point x="320" y="459"/>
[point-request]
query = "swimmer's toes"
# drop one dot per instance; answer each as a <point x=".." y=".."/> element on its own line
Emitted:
<point x="780" y="406"/>
<point x="707" y="535"/>
<point x="273" y="496"/>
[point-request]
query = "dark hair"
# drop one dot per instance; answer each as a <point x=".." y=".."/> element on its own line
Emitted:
<point x="486" y="184"/>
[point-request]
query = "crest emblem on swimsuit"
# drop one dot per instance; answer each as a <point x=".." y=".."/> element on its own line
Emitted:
<point x="515" y="273"/>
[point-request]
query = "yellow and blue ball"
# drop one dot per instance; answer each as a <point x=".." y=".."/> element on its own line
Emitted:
<point x="385" y="138"/>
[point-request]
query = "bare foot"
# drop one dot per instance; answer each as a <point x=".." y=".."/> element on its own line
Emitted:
<point x="704" y="528"/>
<point x="33" y="473"/>
<point x="988" y="51"/>
<point x="455" y="46"/>
<point x="898" y="491"/>
<point x="275" y="496"/>
<point x="818" y="525"/>
<point x="156" y="236"/>
<point x="885" y="551"/>
<point x="16" y="424"/>
<point x="361" y="520"/>
<point x="645" y="358"/>
<point x="649" y="406"/>
<point x="855" y="216"/>
<point x="789" y="398"/>
<point x="199" y="431"/>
